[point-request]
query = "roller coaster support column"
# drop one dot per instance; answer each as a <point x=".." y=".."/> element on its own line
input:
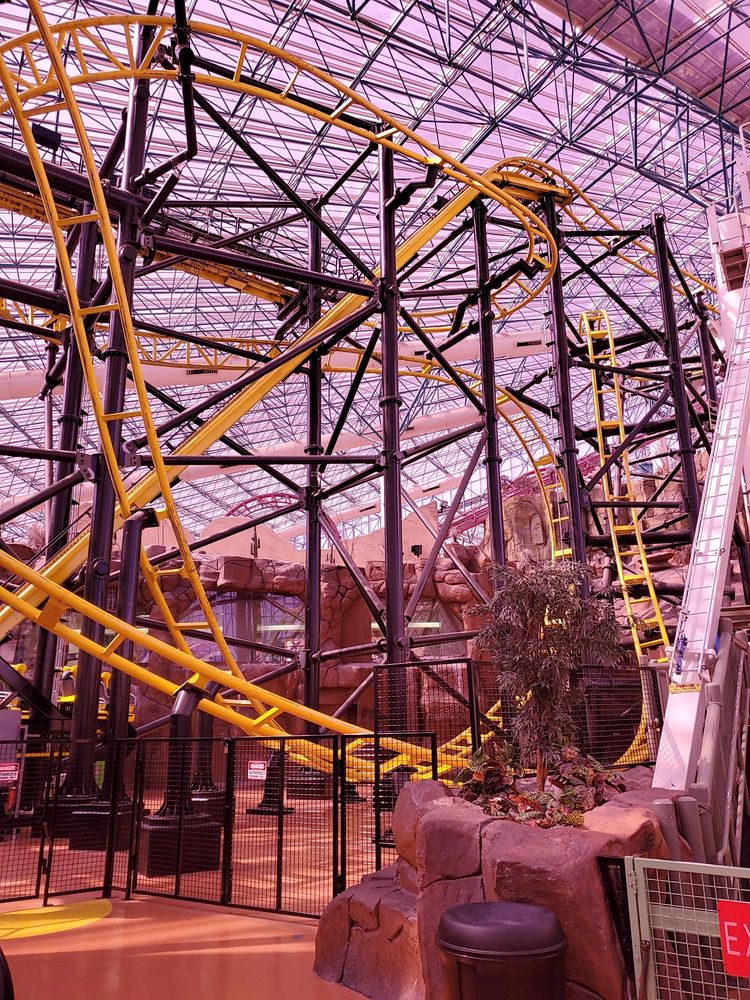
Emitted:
<point x="566" y="424"/>
<point x="676" y="374"/>
<point x="312" y="492"/>
<point x="127" y="597"/>
<point x="79" y="781"/>
<point x="489" y="392"/>
<point x="390" y="404"/>
<point x="105" y="823"/>
<point x="178" y="838"/>
<point x="70" y="421"/>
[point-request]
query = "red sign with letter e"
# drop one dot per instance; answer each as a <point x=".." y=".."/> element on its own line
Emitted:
<point x="734" y="926"/>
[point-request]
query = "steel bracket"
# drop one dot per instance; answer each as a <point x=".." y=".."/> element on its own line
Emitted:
<point x="87" y="465"/>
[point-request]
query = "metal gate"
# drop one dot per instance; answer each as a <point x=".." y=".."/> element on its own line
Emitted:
<point x="679" y="947"/>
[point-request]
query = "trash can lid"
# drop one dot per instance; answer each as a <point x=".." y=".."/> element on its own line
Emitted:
<point x="497" y="930"/>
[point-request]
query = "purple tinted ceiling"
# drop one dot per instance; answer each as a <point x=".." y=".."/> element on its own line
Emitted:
<point x="704" y="49"/>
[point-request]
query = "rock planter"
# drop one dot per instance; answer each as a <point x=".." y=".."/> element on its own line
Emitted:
<point x="378" y="937"/>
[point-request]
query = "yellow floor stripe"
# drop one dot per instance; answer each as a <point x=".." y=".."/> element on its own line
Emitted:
<point x="52" y="919"/>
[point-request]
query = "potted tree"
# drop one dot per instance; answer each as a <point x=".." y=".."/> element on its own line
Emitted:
<point x="540" y="627"/>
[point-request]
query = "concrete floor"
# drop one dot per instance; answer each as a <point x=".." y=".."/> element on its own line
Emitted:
<point x="151" y="949"/>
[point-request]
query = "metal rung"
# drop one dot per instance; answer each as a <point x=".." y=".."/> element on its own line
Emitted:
<point x="92" y="310"/>
<point x="191" y="624"/>
<point x="125" y="415"/>
<point x="78" y="220"/>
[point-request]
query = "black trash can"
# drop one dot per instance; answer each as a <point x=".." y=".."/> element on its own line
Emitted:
<point x="502" y="951"/>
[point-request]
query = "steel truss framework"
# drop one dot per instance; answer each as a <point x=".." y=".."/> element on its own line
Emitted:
<point x="457" y="251"/>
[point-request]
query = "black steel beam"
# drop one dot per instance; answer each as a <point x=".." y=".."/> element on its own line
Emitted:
<point x="397" y="643"/>
<point x="258" y="265"/>
<point x="676" y="372"/>
<point x="308" y="210"/>
<point x="492" y="457"/>
<point x="37" y="701"/>
<point x="313" y="562"/>
<point x="59" y="486"/>
<point x="328" y="337"/>
<point x="566" y="425"/>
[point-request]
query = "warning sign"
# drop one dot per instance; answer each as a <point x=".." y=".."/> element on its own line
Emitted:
<point x="734" y="926"/>
<point x="257" y="770"/>
<point x="9" y="773"/>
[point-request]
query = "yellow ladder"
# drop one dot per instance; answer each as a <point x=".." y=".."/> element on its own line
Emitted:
<point x="643" y="612"/>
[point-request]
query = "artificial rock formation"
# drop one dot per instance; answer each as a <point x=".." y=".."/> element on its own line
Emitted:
<point x="378" y="937"/>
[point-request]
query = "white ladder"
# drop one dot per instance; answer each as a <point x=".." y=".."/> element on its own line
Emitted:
<point x="698" y="622"/>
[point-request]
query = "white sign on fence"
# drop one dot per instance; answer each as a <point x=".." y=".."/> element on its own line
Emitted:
<point x="9" y="773"/>
<point x="257" y="770"/>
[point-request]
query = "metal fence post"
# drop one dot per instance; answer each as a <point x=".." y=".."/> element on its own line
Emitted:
<point x="135" y="820"/>
<point x="337" y="795"/>
<point x="227" y="851"/>
<point x="114" y="759"/>
<point x="343" y="742"/>
<point x="183" y="793"/>
<point x="280" y="824"/>
<point x="51" y="824"/>
<point x="471" y="686"/>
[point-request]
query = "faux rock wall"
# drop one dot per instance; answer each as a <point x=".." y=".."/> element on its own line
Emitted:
<point x="345" y="618"/>
<point x="378" y="937"/>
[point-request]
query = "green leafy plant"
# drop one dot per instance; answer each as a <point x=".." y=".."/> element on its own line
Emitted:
<point x="577" y="784"/>
<point x="540" y="627"/>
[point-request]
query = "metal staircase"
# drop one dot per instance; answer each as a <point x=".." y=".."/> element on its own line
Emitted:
<point x="697" y="629"/>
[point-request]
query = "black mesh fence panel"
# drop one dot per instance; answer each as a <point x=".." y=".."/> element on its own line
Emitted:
<point x="89" y="837"/>
<point x="28" y="775"/>
<point x="277" y="824"/>
<point x="617" y="713"/>
<point x="178" y="849"/>
<point x="374" y="770"/>
<point x="285" y="823"/>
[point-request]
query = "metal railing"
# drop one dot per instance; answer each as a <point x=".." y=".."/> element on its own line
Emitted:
<point x="721" y="786"/>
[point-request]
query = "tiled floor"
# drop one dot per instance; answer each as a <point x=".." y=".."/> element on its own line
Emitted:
<point x="151" y="949"/>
